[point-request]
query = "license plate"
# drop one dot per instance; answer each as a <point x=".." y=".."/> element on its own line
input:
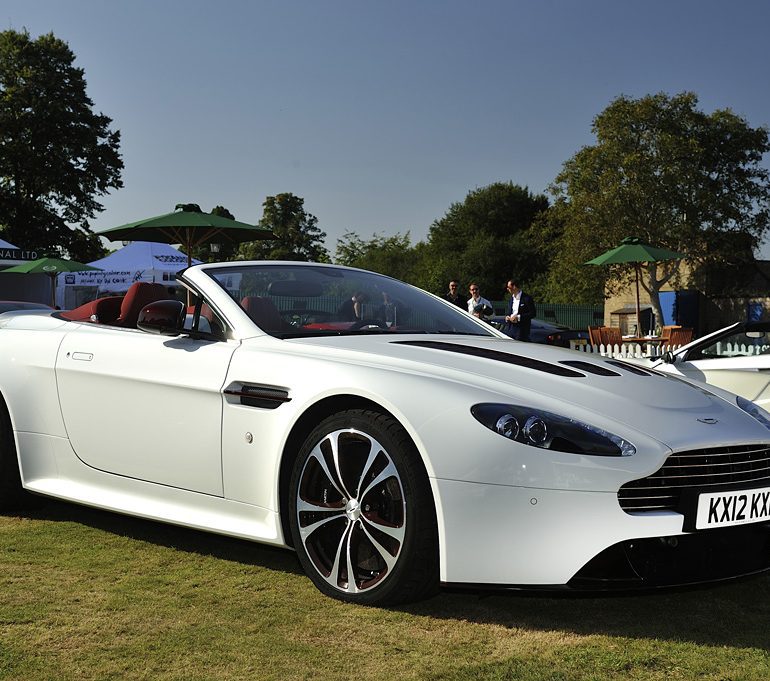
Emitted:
<point x="722" y="509"/>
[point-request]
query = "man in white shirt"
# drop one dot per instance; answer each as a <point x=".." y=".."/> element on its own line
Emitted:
<point x="478" y="306"/>
<point x="520" y="311"/>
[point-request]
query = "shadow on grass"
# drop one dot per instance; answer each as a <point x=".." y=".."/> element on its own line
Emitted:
<point x="732" y="614"/>
<point x="172" y="536"/>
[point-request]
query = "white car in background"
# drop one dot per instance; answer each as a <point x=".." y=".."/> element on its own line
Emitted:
<point x="735" y="358"/>
<point x="393" y="441"/>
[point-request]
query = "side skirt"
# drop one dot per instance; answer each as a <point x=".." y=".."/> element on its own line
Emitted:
<point x="50" y="467"/>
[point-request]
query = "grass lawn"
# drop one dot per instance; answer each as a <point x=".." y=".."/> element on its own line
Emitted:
<point x="90" y="595"/>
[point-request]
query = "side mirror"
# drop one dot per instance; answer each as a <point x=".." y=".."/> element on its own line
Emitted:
<point x="164" y="317"/>
<point x="668" y="357"/>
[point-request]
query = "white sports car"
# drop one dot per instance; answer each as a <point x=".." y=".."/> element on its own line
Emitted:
<point x="392" y="440"/>
<point x="735" y="358"/>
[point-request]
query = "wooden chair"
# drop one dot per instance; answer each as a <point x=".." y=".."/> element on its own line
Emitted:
<point x="594" y="335"/>
<point x="611" y="335"/>
<point x="680" y="336"/>
<point x="665" y="332"/>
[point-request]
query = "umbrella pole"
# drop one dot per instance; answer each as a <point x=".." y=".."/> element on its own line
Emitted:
<point x="189" y="264"/>
<point x="53" y="290"/>
<point x="638" y="309"/>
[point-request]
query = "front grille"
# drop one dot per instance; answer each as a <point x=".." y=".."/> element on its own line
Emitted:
<point x="700" y="470"/>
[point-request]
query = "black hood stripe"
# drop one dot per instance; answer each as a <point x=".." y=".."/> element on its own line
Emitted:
<point x="497" y="356"/>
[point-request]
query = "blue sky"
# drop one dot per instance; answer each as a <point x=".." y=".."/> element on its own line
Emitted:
<point x="381" y="114"/>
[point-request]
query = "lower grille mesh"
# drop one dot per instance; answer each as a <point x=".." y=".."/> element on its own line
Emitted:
<point x="701" y="470"/>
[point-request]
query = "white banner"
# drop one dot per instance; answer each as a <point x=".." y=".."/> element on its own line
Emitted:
<point x="105" y="280"/>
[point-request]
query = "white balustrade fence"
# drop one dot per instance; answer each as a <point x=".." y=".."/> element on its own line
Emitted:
<point x="625" y="350"/>
<point x="652" y="350"/>
<point x="739" y="349"/>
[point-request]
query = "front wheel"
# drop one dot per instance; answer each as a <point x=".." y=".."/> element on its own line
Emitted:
<point x="362" y="515"/>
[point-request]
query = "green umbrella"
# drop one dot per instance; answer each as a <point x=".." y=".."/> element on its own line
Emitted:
<point x="189" y="226"/>
<point x="633" y="250"/>
<point x="52" y="267"/>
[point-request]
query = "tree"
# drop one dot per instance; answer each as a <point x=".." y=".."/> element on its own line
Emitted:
<point x="393" y="255"/>
<point x="297" y="234"/>
<point x="486" y="239"/>
<point x="56" y="154"/>
<point x="670" y="174"/>
<point x="563" y="278"/>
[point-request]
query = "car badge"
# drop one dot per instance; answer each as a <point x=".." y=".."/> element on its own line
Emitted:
<point x="709" y="421"/>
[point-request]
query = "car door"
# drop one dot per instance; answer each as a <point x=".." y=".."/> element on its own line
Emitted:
<point x="145" y="406"/>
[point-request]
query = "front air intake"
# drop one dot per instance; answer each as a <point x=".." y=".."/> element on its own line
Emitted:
<point x="699" y="470"/>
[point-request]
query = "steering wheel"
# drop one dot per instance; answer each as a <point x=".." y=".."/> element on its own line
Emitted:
<point x="361" y="323"/>
<point x="303" y="317"/>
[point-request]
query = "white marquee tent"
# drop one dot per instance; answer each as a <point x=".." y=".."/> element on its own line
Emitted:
<point x="139" y="261"/>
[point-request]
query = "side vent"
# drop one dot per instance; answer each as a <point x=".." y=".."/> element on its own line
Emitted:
<point x="630" y="368"/>
<point x="261" y="396"/>
<point x="589" y="367"/>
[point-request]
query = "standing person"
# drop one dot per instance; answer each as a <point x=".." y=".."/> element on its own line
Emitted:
<point x="520" y="311"/>
<point x="387" y="312"/>
<point x="454" y="294"/>
<point x="478" y="306"/>
<point x="352" y="310"/>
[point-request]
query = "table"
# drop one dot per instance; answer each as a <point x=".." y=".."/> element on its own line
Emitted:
<point x="643" y="339"/>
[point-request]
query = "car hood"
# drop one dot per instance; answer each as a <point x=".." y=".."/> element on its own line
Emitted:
<point x="592" y="387"/>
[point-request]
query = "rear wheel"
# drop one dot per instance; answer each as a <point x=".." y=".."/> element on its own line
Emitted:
<point x="12" y="495"/>
<point x="362" y="515"/>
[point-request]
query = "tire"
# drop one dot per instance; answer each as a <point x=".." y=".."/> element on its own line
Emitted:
<point x="384" y="534"/>
<point x="12" y="494"/>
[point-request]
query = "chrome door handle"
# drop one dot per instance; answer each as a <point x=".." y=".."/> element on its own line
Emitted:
<point x="83" y="356"/>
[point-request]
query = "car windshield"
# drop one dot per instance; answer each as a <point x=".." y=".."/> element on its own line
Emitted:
<point x="291" y="301"/>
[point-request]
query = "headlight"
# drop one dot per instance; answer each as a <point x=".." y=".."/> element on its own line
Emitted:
<point x="545" y="430"/>
<point x="754" y="410"/>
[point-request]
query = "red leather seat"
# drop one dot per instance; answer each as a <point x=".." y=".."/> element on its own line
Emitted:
<point x="264" y="314"/>
<point x="139" y="294"/>
<point x="100" y="311"/>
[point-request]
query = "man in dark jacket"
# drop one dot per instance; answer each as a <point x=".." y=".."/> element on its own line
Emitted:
<point x="454" y="294"/>
<point x="520" y="310"/>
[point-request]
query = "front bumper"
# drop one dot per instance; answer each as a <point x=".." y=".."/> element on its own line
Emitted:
<point x="503" y="536"/>
<point x="684" y="560"/>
